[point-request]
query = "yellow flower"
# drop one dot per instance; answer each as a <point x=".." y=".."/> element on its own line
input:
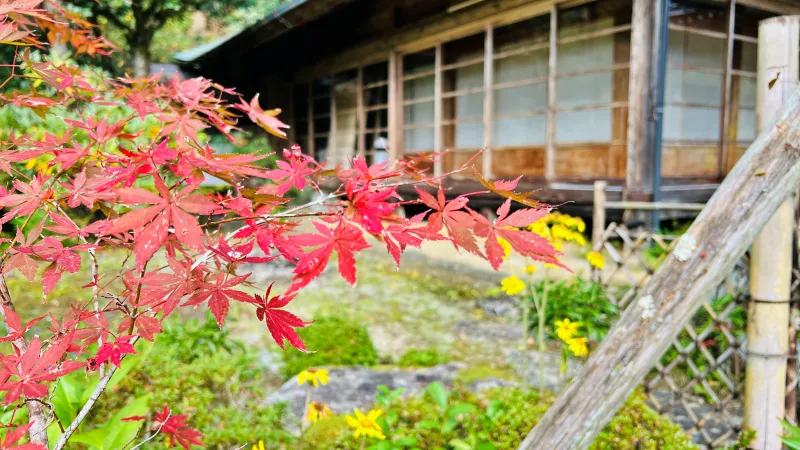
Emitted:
<point x="366" y="425"/>
<point x="260" y="445"/>
<point x="558" y="245"/>
<point x="530" y="268"/>
<point x="316" y="411"/>
<point x="578" y="346"/>
<point x="567" y="329"/>
<point x="596" y="259"/>
<point x="313" y="376"/>
<point x="506" y="247"/>
<point x="512" y="285"/>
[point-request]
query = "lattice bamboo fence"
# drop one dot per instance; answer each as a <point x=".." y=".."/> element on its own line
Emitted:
<point x="699" y="381"/>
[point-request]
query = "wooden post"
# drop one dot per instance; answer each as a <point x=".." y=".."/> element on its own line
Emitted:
<point x="599" y="214"/>
<point x="771" y="254"/>
<point x="550" y="150"/>
<point x="488" y="101"/>
<point x="438" y="132"/>
<point x="760" y="181"/>
<point x="638" y="169"/>
<point x="395" y="105"/>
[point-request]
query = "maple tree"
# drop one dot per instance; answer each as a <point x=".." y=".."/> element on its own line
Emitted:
<point x="145" y="188"/>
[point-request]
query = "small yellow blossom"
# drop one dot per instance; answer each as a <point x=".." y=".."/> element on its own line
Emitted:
<point x="366" y="425"/>
<point x="506" y="247"/>
<point x="316" y="411"/>
<point x="567" y="329"/>
<point x="313" y="376"/>
<point x="260" y="445"/>
<point x="596" y="259"/>
<point x="550" y="266"/>
<point x="578" y="346"/>
<point x="530" y="269"/>
<point x="512" y="285"/>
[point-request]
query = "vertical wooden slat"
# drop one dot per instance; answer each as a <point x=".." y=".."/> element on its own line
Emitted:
<point x="726" y="94"/>
<point x="488" y="101"/>
<point x="310" y="119"/>
<point x="771" y="254"/>
<point x="550" y="152"/>
<point x="395" y="106"/>
<point x="438" y="136"/>
<point x="361" y="118"/>
<point x="332" y="150"/>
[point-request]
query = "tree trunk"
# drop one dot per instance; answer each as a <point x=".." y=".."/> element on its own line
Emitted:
<point x="38" y="414"/>
<point x="738" y="210"/>
<point x="141" y="60"/>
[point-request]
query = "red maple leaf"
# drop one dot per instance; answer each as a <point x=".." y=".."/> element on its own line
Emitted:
<point x="15" y="327"/>
<point x="219" y="295"/>
<point x="114" y="351"/>
<point x="168" y="288"/>
<point x="33" y="368"/>
<point x="293" y="172"/>
<point x="453" y="218"/>
<point x="345" y="239"/>
<point x="271" y="236"/>
<point x="85" y="191"/>
<point x="152" y="223"/>
<point x="524" y="242"/>
<point x="69" y="229"/>
<point x="281" y="323"/>
<point x="30" y="198"/>
<point x="267" y="120"/>
<point x="11" y="438"/>
<point x="369" y="206"/>
<point x="177" y="429"/>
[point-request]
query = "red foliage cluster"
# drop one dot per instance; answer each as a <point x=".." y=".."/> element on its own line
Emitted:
<point x="181" y="254"/>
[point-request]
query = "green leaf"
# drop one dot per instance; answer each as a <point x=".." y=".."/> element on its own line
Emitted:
<point x="459" y="444"/>
<point x="427" y="424"/>
<point x="121" y="433"/>
<point x="460" y="408"/>
<point x="792" y="443"/>
<point x="486" y="446"/>
<point x="95" y="438"/>
<point x="438" y="393"/>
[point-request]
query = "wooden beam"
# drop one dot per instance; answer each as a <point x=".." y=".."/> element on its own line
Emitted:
<point x="772" y="6"/>
<point x="395" y="108"/>
<point x="438" y="136"/>
<point x="771" y="254"/>
<point x="726" y="92"/>
<point x="708" y="251"/>
<point x="488" y="101"/>
<point x="550" y="139"/>
<point x="427" y="33"/>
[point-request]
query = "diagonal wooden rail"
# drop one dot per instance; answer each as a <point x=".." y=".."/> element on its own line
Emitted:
<point x="767" y="173"/>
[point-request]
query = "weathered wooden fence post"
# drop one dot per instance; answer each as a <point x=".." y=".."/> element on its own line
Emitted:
<point x="771" y="254"/>
<point x="598" y="221"/>
<point x="751" y="193"/>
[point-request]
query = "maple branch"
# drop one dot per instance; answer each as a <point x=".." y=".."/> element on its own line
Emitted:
<point x="87" y="407"/>
<point x="36" y="411"/>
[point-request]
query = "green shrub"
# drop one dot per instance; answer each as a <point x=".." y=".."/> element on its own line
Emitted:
<point x="190" y="339"/>
<point x="222" y="392"/>
<point x="333" y="341"/>
<point x="496" y="418"/>
<point x="577" y="300"/>
<point x="428" y="357"/>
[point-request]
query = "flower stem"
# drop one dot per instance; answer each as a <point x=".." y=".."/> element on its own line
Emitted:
<point x="542" y="312"/>
<point x="363" y="443"/>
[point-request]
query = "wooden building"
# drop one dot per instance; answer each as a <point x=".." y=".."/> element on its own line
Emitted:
<point x="561" y="92"/>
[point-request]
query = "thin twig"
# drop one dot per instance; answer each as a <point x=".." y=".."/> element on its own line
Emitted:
<point x="155" y="433"/>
